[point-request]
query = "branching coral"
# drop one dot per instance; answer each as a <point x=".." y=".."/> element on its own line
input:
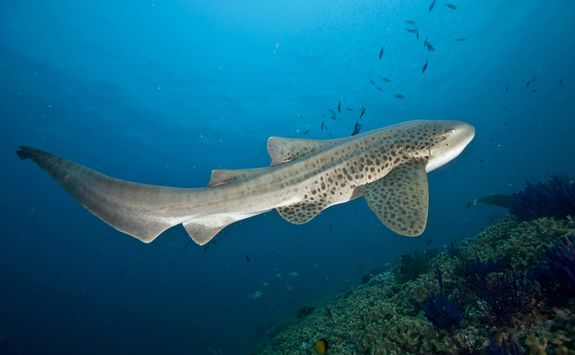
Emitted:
<point x="442" y="312"/>
<point x="557" y="273"/>
<point x="553" y="198"/>
<point x="506" y="294"/>
<point x="505" y="348"/>
<point x="475" y="273"/>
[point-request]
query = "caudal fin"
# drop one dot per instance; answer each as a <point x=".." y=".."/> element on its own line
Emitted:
<point x="139" y="210"/>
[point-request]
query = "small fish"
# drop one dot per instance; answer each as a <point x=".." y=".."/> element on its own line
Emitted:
<point x="561" y="82"/>
<point x="428" y="45"/>
<point x="432" y="5"/>
<point x="428" y="242"/>
<point x="339" y="106"/>
<point x="424" y="68"/>
<point x="305" y="132"/>
<point x="410" y="22"/>
<point x="332" y="114"/>
<point x="399" y="96"/>
<point x="534" y="79"/>
<point x="323" y="126"/>
<point x="356" y="128"/>
<point x="349" y="109"/>
<point x="372" y="82"/>
<point x="256" y="295"/>
<point x="327" y="312"/>
<point x="533" y="91"/>
<point x="528" y="83"/>
<point x="451" y="6"/>
<point x="206" y="248"/>
<point x="381" y="53"/>
<point x="293" y="274"/>
<point x="387" y="80"/>
<point x="362" y="112"/>
<point x="415" y="31"/>
<point x="379" y="88"/>
<point x="248" y="260"/>
<point x="506" y="88"/>
<point x="460" y="39"/>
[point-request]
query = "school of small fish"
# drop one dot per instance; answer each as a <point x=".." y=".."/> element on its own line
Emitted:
<point x="411" y="26"/>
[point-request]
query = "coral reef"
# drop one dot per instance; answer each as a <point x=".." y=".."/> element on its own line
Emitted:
<point x="431" y="307"/>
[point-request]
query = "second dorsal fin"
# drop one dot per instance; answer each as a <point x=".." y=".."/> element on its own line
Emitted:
<point x="223" y="176"/>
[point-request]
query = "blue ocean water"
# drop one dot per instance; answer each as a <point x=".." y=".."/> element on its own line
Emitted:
<point x="162" y="92"/>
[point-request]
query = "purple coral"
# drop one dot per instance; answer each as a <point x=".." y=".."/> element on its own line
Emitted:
<point x="553" y="198"/>
<point x="557" y="273"/>
<point x="506" y="348"/>
<point x="506" y="294"/>
<point x="442" y="312"/>
<point x="475" y="273"/>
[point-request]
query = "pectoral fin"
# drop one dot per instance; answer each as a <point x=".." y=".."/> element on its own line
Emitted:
<point x="401" y="199"/>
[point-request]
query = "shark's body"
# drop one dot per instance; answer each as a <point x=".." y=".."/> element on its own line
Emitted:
<point x="387" y="167"/>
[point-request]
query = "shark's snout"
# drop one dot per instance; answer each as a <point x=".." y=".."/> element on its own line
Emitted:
<point x="465" y="131"/>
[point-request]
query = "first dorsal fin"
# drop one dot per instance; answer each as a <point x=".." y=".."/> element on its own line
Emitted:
<point x="282" y="150"/>
<point x="223" y="176"/>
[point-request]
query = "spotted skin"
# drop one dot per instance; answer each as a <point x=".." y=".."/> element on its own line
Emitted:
<point x="305" y="178"/>
<point x="401" y="199"/>
<point x="356" y="163"/>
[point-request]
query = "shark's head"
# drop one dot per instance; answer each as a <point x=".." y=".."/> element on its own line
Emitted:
<point x="446" y="140"/>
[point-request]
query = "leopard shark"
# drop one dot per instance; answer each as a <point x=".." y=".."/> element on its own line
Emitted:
<point x="387" y="167"/>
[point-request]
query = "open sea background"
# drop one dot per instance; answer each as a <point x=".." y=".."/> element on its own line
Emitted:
<point x="162" y="92"/>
